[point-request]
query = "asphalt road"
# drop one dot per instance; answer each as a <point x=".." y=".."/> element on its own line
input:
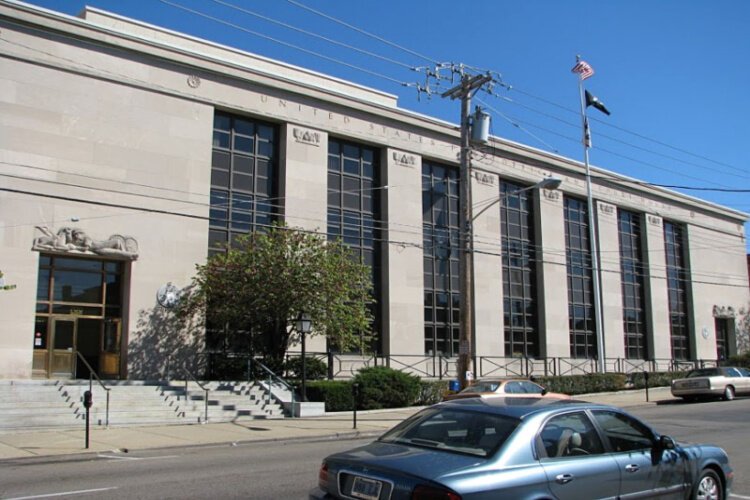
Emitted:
<point x="262" y="471"/>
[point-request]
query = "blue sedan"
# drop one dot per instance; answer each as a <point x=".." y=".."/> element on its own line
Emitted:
<point x="524" y="448"/>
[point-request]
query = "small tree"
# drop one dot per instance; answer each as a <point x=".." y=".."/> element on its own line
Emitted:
<point x="254" y="291"/>
<point x="742" y="330"/>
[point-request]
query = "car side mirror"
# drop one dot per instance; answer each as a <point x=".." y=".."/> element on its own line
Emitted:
<point x="544" y="391"/>
<point x="666" y="443"/>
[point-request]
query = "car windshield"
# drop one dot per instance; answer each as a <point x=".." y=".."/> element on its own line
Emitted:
<point x="456" y="431"/>
<point x="704" y="372"/>
<point x="482" y="387"/>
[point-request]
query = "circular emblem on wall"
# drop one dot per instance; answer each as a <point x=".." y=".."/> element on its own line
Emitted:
<point x="168" y="295"/>
<point x="193" y="81"/>
<point x="704" y="332"/>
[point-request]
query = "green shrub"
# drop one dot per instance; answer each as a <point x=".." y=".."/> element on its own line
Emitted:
<point x="740" y="360"/>
<point x="315" y="368"/>
<point x="655" y="379"/>
<point x="606" y="382"/>
<point x="431" y="392"/>
<point x="383" y="387"/>
<point x="584" y="384"/>
<point x="336" y="394"/>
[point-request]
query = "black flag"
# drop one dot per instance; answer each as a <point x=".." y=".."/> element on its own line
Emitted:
<point x="592" y="100"/>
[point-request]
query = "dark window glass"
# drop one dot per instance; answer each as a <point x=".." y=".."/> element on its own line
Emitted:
<point x="633" y="290"/>
<point x="354" y="209"/>
<point x="74" y="286"/>
<point x="570" y="435"/>
<point x="243" y="178"/>
<point x="677" y="286"/>
<point x="624" y="433"/>
<point x="580" y="285"/>
<point x="441" y="282"/>
<point x="519" y="270"/>
<point x="80" y="287"/>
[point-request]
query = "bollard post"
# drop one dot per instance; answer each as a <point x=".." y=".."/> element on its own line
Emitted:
<point x="645" y="378"/>
<point x="355" y="398"/>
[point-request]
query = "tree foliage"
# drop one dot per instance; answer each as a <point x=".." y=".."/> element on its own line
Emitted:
<point x="255" y="291"/>
<point x="742" y="327"/>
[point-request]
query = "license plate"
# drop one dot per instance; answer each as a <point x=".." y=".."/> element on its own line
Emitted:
<point x="365" y="488"/>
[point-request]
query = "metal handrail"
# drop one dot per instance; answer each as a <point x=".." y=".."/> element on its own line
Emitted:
<point x="205" y="389"/>
<point x="93" y="374"/>
<point x="272" y="377"/>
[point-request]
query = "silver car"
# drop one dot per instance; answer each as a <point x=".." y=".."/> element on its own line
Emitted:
<point x="725" y="382"/>
<point x="524" y="448"/>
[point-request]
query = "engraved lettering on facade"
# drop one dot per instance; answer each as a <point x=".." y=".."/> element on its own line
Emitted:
<point x="654" y="220"/>
<point x="551" y="194"/>
<point x="484" y="178"/>
<point x="403" y="159"/>
<point x="606" y="209"/>
<point x="306" y="136"/>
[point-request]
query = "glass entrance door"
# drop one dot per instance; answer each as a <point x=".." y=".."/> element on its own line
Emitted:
<point x="63" y="340"/>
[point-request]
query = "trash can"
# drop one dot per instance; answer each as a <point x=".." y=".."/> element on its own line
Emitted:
<point x="454" y="386"/>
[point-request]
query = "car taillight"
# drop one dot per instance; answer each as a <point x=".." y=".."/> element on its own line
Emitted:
<point x="424" y="492"/>
<point x="323" y="476"/>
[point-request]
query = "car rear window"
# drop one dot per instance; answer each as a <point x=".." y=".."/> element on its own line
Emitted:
<point x="482" y="387"/>
<point x="456" y="431"/>
<point x="703" y="372"/>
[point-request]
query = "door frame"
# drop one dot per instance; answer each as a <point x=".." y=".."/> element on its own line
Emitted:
<point x="67" y="354"/>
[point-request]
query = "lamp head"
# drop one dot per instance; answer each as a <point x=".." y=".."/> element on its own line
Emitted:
<point x="550" y="183"/>
<point x="304" y="323"/>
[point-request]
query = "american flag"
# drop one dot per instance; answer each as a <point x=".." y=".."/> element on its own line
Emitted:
<point x="584" y="69"/>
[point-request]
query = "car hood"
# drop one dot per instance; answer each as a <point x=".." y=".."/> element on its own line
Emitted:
<point x="398" y="459"/>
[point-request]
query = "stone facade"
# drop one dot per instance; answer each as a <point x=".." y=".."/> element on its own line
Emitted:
<point x="106" y="125"/>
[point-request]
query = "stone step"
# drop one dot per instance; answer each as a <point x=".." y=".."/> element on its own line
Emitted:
<point x="59" y="404"/>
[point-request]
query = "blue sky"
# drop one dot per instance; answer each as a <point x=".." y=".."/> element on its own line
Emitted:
<point x="674" y="73"/>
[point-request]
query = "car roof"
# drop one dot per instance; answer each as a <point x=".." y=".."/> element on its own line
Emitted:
<point x="518" y="407"/>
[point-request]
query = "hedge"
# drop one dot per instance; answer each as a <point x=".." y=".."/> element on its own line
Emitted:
<point x="384" y="383"/>
<point x="383" y="387"/>
<point x="336" y="394"/>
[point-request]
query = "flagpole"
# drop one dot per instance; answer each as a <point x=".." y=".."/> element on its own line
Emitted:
<point x="601" y="365"/>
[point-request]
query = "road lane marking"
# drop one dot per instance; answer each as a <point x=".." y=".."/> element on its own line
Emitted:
<point x="65" y="493"/>
<point x="118" y="457"/>
<point x="734" y="495"/>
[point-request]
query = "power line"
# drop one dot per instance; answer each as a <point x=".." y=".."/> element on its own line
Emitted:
<point x="286" y="44"/>
<point x="311" y="34"/>
<point x="363" y="32"/>
<point x="494" y="244"/>
<point x="516" y="124"/>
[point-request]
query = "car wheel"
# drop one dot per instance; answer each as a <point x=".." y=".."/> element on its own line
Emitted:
<point x="728" y="393"/>
<point x="708" y="487"/>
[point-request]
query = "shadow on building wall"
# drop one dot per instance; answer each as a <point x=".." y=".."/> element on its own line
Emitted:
<point x="162" y="346"/>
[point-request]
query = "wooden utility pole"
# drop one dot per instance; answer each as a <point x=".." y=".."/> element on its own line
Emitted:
<point x="468" y="86"/>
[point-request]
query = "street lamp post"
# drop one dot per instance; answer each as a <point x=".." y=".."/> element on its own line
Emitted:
<point x="304" y="326"/>
<point x="549" y="183"/>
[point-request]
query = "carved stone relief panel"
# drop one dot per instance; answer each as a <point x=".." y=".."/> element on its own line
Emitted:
<point x="74" y="240"/>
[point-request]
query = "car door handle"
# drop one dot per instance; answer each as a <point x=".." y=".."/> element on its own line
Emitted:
<point x="632" y="468"/>
<point x="564" y="478"/>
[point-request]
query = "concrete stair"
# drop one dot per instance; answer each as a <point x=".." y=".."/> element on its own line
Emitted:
<point x="230" y="402"/>
<point x="32" y="404"/>
<point x="36" y="405"/>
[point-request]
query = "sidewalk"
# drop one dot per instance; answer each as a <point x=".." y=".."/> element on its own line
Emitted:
<point x="26" y="444"/>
